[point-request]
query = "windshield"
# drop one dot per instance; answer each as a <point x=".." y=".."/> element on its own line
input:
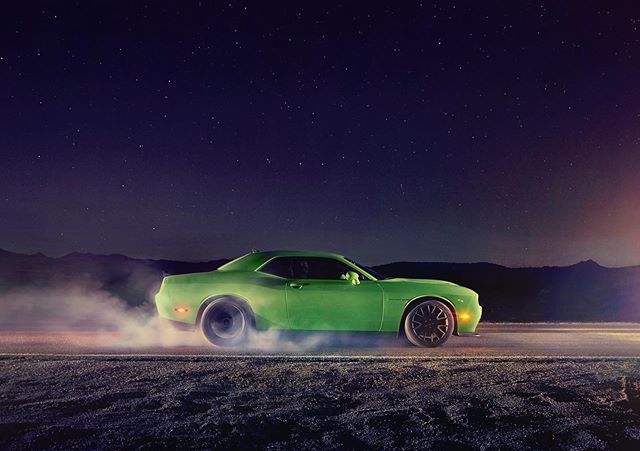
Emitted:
<point x="375" y="274"/>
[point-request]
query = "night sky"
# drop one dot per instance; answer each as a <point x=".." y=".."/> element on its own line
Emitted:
<point x="505" y="132"/>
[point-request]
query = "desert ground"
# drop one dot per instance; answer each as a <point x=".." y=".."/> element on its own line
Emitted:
<point x="516" y="386"/>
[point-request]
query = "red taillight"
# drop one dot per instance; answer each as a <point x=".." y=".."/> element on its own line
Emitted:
<point x="181" y="310"/>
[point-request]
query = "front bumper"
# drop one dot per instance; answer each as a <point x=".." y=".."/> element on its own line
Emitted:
<point x="467" y="319"/>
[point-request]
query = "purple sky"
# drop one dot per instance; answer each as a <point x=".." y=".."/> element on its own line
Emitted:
<point x="497" y="132"/>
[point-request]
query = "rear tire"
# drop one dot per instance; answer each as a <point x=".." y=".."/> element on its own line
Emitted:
<point x="429" y="324"/>
<point x="225" y="322"/>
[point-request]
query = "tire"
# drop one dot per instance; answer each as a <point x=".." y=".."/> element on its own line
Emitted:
<point x="226" y="322"/>
<point x="429" y="324"/>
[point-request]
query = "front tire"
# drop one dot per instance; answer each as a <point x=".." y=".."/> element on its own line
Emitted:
<point x="225" y="322"/>
<point x="429" y="324"/>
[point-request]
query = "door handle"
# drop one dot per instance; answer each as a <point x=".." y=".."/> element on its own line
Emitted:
<point x="296" y="285"/>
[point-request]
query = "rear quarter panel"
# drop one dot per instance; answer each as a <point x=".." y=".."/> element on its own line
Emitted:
<point x="263" y="293"/>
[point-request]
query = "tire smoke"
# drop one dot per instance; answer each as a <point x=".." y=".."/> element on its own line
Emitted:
<point x="91" y="317"/>
<point x="95" y="320"/>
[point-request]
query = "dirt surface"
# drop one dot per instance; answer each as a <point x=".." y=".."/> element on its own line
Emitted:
<point x="514" y="387"/>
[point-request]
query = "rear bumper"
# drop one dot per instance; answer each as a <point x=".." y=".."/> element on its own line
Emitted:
<point x="170" y="309"/>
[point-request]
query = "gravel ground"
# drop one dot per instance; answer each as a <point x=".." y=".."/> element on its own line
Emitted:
<point x="151" y="402"/>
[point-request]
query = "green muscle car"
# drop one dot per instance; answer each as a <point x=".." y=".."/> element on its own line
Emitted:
<point x="314" y="291"/>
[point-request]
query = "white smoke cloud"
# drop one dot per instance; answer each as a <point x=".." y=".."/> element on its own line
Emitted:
<point x="93" y="316"/>
<point x="89" y="318"/>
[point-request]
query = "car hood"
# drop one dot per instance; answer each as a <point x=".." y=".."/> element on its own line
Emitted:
<point x="407" y="288"/>
<point x="424" y="281"/>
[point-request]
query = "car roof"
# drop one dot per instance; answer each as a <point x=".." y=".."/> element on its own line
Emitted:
<point x="253" y="260"/>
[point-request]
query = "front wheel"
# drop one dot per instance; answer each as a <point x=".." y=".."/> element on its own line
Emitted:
<point x="429" y="324"/>
<point x="225" y="322"/>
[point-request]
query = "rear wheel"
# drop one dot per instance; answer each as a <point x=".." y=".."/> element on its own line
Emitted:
<point x="429" y="324"/>
<point x="225" y="322"/>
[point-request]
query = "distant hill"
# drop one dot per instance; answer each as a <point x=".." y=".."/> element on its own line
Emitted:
<point x="132" y="280"/>
<point x="585" y="291"/>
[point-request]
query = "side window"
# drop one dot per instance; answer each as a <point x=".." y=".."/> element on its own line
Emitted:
<point x="318" y="268"/>
<point x="279" y="266"/>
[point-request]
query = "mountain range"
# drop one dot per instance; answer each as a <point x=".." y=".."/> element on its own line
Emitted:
<point x="585" y="291"/>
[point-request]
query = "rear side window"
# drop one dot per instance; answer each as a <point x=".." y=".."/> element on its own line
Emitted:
<point x="280" y="267"/>
<point x="320" y="268"/>
<point x="307" y="268"/>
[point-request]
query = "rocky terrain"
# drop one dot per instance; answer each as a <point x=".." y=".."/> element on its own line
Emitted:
<point x="253" y="402"/>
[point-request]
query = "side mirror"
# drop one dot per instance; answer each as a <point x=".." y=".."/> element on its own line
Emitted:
<point x="352" y="277"/>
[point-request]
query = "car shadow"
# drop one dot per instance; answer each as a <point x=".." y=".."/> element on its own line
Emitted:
<point x="323" y="340"/>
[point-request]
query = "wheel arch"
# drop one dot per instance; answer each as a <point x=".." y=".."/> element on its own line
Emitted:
<point x="235" y="297"/>
<point x="421" y="298"/>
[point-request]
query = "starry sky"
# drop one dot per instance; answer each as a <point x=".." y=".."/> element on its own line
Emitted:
<point x="506" y="132"/>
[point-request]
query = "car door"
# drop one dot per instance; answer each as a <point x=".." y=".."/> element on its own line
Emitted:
<point x="318" y="299"/>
